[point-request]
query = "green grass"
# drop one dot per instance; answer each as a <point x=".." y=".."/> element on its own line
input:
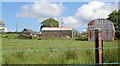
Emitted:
<point x="9" y="36"/>
<point x="54" y="52"/>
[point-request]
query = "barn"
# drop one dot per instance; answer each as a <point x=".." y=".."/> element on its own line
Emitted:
<point x="56" y="32"/>
<point x="28" y="34"/>
<point x="106" y="26"/>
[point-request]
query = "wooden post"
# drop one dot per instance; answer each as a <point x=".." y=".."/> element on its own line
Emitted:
<point x="99" y="48"/>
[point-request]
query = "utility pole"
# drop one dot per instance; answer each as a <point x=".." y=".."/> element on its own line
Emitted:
<point x="61" y="22"/>
<point x="16" y="27"/>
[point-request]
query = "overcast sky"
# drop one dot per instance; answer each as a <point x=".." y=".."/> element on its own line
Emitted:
<point x="73" y="14"/>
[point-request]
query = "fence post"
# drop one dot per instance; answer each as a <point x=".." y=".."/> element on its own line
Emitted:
<point x="98" y="48"/>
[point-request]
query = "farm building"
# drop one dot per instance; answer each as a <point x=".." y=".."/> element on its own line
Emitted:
<point x="56" y="32"/>
<point x="28" y="34"/>
<point x="106" y="26"/>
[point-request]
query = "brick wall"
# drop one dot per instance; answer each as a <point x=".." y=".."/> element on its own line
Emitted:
<point x="107" y="27"/>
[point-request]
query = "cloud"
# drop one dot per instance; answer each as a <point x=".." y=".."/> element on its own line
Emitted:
<point x="41" y="9"/>
<point x="71" y="22"/>
<point x="68" y="22"/>
<point x="95" y="9"/>
<point x="85" y="13"/>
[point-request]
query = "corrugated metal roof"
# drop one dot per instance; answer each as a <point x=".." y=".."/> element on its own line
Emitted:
<point x="55" y="28"/>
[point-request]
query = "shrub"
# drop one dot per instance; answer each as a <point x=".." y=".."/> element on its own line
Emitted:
<point x="5" y="36"/>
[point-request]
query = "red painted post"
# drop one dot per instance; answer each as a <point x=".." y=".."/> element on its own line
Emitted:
<point x="99" y="47"/>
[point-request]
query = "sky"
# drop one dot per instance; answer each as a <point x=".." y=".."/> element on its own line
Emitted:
<point x="74" y="15"/>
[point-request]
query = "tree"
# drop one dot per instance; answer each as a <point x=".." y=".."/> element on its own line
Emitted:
<point x="83" y="36"/>
<point x="51" y="22"/>
<point x="2" y="24"/>
<point x="115" y="18"/>
<point x="75" y="33"/>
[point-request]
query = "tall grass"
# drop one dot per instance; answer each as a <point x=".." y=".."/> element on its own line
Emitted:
<point x="54" y="52"/>
<point x="9" y="36"/>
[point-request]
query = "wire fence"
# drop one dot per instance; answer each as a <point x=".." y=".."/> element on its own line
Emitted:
<point x="85" y="49"/>
<point x="58" y="49"/>
<point x="30" y="50"/>
<point x="115" y="63"/>
<point x="66" y="49"/>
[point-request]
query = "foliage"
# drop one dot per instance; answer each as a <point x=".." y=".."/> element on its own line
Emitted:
<point x="75" y="33"/>
<point x="2" y="23"/>
<point x="51" y="22"/>
<point x="115" y="18"/>
<point x="82" y="36"/>
<point x="12" y="33"/>
<point x="9" y="35"/>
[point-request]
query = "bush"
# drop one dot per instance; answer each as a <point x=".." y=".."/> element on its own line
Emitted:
<point x="5" y="36"/>
<point x="12" y="32"/>
<point x="10" y="36"/>
<point x="82" y="36"/>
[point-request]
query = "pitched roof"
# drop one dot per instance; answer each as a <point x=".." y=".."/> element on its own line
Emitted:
<point x="28" y="30"/>
<point x="55" y="28"/>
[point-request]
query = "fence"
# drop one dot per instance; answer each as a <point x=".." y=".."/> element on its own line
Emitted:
<point x="63" y="49"/>
<point x="98" y="50"/>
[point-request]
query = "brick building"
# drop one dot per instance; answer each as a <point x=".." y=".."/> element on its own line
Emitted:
<point x="106" y="26"/>
<point x="56" y="32"/>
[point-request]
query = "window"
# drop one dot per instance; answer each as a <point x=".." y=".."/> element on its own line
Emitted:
<point x="106" y="35"/>
<point x="107" y="32"/>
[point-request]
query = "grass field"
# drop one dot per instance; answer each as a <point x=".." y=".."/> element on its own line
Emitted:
<point x="18" y="51"/>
